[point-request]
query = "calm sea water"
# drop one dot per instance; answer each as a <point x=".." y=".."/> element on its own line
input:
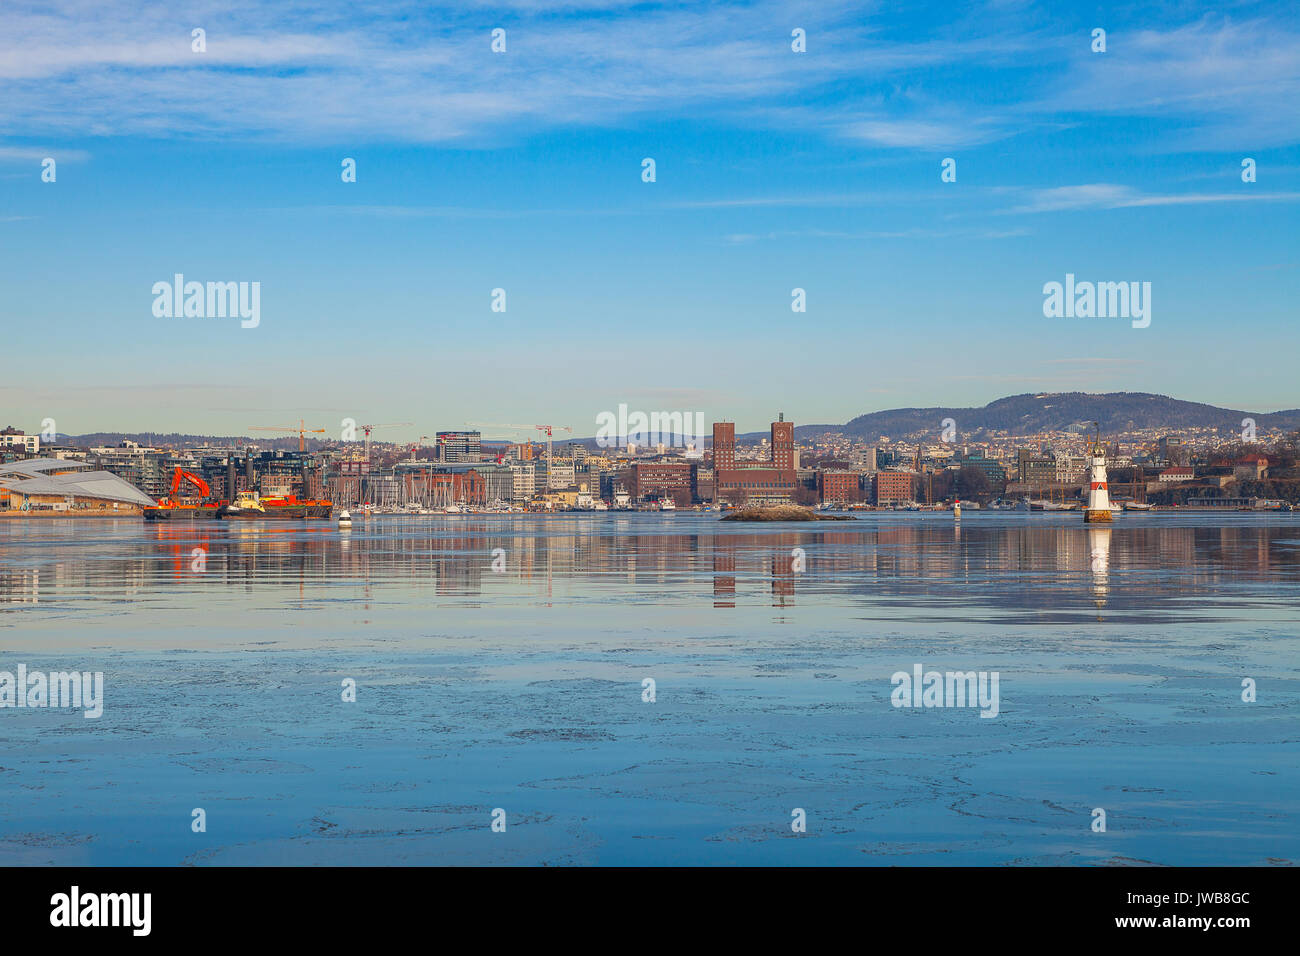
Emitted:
<point x="1121" y="655"/>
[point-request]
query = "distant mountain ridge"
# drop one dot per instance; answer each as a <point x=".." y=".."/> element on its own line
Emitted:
<point x="1058" y="411"/>
<point x="1029" y="413"/>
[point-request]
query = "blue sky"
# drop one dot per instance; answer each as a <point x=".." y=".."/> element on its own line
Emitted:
<point x="522" y="171"/>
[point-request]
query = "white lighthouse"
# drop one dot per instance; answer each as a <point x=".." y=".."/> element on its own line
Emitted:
<point x="1098" y="495"/>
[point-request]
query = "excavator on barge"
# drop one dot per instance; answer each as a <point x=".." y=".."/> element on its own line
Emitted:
<point x="171" y="506"/>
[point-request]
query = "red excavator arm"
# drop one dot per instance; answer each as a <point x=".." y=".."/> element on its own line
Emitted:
<point x="199" y="484"/>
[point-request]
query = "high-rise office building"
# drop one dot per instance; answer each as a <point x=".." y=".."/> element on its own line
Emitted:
<point x="459" y="446"/>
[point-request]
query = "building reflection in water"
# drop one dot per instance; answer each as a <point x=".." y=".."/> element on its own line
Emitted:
<point x="922" y="564"/>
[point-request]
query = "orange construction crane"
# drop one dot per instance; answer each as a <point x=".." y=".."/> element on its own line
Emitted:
<point x="300" y="428"/>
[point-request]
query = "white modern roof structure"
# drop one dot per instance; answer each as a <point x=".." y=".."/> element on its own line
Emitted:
<point x="55" y="476"/>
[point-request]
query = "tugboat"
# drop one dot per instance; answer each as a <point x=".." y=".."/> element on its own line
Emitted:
<point x="249" y="506"/>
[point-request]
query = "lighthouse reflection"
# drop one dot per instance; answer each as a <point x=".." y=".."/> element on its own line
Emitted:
<point x="1099" y="564"/>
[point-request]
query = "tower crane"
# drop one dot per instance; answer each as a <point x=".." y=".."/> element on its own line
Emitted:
<point x="368" y="428"/>
<point x="300" y="428"/>
<point x="547" y="429"/>
<point x="516" y="428"/>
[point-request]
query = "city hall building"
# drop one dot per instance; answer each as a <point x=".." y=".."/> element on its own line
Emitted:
<point x="755" y="482"/>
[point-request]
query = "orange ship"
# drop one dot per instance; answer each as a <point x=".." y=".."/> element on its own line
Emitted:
<point x="248" y="506"/>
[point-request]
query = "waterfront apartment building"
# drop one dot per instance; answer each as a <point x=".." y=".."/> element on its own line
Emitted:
<point x="145" y="467"/>
<point x="11" y="437"/>
<point x="523" y="481"/>
<point x="459" y="446"/>
<point x="1032" y="468"/>
<point x="755" y="481"/>
<point x="839" y="487"/>
<point x="1071" y="468"/>
<point x="866" y="461"/>
<point x="498" y="482"/>
<point x="654" y="480"/>
<point x="992" y="469"/>
<point x="557" y="473"/>
<point x="892" y="487"/>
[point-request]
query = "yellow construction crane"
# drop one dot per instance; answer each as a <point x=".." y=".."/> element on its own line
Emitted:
<point x="300" y="428"/>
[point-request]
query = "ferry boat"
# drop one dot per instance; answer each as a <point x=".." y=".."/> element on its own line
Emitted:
<point x="250" y="506"/>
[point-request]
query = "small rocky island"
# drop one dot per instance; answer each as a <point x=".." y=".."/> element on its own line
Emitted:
<point x="782" y="513"/>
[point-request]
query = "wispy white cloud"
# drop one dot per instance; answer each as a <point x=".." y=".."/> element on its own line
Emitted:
<point x="402" y="71"/>
<point x="1238" y="82"/>
<point x="925" y="134"/>
<point x="405" y="72"/>
<point x="916" y="233"/>
<point x="1114" y="196"/>
<point x="34" y="154"/>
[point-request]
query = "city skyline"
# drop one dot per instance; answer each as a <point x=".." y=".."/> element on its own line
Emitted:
<point x="1211" y="419"/>
<point x="775" y="170"/>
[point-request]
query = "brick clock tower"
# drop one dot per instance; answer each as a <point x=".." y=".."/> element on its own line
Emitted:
<point x="782" y="443"/>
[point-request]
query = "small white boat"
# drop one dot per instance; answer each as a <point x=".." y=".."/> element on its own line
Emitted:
<point x="600" y="505"/>
<point x="1138" y="506"/>
<point x="667" y="504"/>
<point x="345" y="519"/>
